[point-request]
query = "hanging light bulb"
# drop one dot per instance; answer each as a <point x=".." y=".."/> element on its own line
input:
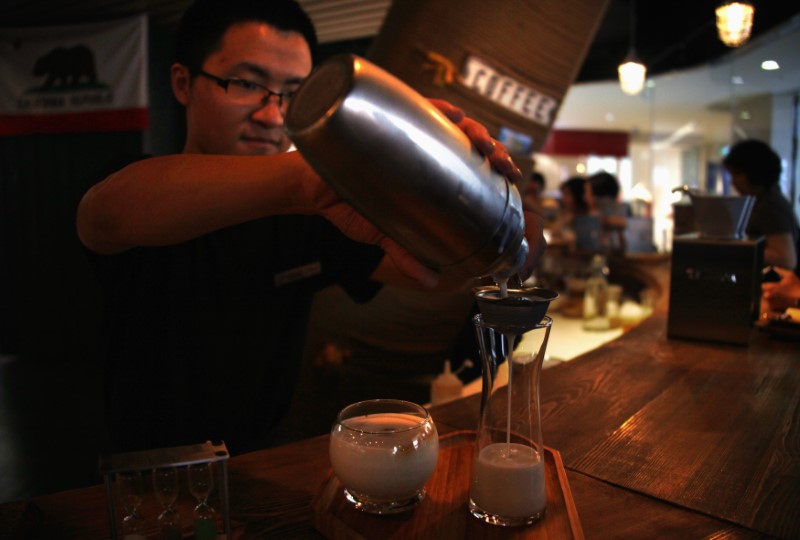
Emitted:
<point x="631" y="74"/>
<point x="734" y="22"/>
<point x="631" y="71"/>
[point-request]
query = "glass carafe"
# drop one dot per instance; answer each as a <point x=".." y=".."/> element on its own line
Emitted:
<point x="508" y="467"/>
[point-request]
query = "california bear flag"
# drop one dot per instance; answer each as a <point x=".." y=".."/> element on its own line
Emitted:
<point x="78" y="78"/>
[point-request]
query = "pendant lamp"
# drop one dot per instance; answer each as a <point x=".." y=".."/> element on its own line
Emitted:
<point x="734" y="22"/>
<point x="631" y="71"/>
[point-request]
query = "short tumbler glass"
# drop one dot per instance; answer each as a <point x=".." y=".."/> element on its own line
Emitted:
<point x="384" y="451"/>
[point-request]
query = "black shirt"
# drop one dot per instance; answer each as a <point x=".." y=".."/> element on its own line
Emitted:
<point x="203" y="340"/>
<point x="773" y="214"/>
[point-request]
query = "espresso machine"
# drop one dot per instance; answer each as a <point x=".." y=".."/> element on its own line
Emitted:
<point x="715" y="285"/>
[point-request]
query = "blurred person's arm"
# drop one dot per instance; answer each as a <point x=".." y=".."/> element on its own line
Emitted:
<point x="779" y="250"/>
<point x="782" y="294"/>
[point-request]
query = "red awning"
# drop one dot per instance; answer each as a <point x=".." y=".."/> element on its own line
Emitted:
<point x="581" y="143"/>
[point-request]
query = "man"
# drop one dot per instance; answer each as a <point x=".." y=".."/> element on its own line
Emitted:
<point x="210" y="258"/>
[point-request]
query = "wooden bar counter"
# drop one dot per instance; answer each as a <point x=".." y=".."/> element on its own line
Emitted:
<point x="660" y="438"/>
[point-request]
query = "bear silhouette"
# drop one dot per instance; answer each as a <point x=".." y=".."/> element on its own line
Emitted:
<point x="65" y="67"/>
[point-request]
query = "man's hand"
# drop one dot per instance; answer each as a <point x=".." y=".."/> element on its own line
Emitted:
<point x="355" y="226"/>
<point x="501" y="161"/>
<point x="494" y="151"/>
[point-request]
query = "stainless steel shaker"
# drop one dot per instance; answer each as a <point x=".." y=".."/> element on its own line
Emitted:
<point x="399" y="161"/>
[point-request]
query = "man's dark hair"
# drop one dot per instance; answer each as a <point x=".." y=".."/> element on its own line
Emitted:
<point x="604" y="184"/>
<point x="206" y="21"/>
<point x="576" y="185"/>
<point x="756" y="160"/>
<point x="538" y="177"/>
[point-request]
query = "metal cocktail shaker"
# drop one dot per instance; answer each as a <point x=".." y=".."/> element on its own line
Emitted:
<point x="399" y="161"/>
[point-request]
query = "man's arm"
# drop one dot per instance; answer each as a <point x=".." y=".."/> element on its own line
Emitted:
<point x="172" y="199"/>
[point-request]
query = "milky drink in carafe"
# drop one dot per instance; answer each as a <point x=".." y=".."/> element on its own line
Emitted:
<point x="509" y="480"/>
<point x="508" y="469"/>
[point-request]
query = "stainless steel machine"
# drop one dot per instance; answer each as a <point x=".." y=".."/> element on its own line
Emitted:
<point x="715" y="285"/>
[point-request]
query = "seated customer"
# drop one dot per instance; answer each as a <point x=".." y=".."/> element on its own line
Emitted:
<point x="573" y="206"/>
<point x="755" y="169"/>
<point x="532" y="194"/>
<point x="602" y="195"/>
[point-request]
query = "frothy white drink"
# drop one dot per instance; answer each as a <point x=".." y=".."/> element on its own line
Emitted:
<point x="508" y="481"/>
<point x="384" y="456"/>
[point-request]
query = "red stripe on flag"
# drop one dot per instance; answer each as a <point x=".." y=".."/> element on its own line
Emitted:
<point x="112" y="120"/>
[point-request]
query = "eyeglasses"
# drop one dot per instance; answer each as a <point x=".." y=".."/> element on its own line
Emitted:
<point x="244" y="92"/>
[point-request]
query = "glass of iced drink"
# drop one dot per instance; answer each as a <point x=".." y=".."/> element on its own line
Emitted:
<point x="383" y="451"/>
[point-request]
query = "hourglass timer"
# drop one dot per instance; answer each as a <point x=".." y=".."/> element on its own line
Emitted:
<point x="165" y="487"/>
<point x="131" y="492"/>
<point x="145" y="499"/>
<point x="201" y="483"/>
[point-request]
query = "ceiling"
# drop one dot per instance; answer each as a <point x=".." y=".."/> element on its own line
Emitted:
<point x="702" y="102"/>
<point x="677" y="41"/>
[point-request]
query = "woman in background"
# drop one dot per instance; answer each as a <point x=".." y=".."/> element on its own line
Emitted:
<point x="755" y="169"/>
<point x="573" y="205"/>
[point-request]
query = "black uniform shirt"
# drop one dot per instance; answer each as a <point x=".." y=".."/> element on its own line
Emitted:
<point x="203" y="340"/>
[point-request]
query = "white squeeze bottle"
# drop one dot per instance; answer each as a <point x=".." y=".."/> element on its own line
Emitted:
<point x="446" y="386"/>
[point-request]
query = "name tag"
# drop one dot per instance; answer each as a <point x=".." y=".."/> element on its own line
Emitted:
<point x="298" y="273"/>
<point x="507" y="92"/>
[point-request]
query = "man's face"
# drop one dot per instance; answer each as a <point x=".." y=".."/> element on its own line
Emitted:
<point x="258" y="53"/>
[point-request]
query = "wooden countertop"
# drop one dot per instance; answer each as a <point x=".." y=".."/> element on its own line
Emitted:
<point x="661" y="439"/>
<point x="711" y="428"/>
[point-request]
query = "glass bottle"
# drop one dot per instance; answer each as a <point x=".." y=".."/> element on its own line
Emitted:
<point x="595" y="296"/>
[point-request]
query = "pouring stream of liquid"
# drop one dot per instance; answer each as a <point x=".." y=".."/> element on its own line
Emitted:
<point x="502" y="284"/>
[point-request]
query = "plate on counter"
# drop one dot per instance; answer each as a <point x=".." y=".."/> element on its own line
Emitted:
<point x="443" y="513"/>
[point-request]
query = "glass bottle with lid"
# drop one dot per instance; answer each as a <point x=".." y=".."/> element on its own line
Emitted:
<point x="595" y="296"/>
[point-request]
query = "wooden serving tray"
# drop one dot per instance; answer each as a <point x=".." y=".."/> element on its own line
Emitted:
<point x="443" y="513"/>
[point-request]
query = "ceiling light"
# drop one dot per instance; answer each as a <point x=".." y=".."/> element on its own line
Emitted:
<point x="770" y="65"/>
<point x="631" y="71"/>
<point x="631" y="75"/>
<point x="734" y="22"/>
<point x="737" y="79"/>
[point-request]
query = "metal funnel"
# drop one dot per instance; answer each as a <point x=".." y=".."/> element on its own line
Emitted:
<point x="520" y="311"/>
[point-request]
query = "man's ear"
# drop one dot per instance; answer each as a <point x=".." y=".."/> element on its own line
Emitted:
<point x="181" y="81"/>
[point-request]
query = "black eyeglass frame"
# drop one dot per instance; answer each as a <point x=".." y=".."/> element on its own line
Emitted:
<point x="224" y="83"/>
